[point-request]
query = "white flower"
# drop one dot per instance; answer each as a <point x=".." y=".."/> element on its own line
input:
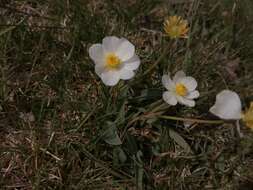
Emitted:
<point x="114" y="59"/>
<point x="181" y="89"/>
<point x="227" y="105"/>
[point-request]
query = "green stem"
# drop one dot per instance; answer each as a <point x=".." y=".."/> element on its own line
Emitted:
<point x="152" y="67"/>
<point x="164" y="53"/>
<point x="191" y="119"/>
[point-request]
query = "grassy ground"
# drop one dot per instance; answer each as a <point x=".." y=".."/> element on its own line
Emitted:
<point x="55" y="112"/>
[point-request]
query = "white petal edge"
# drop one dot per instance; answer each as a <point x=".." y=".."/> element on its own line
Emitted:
<point x="169" y="98"/>
<point x="179" y="74"/>
<point x="192" y="95"/>
<point x="186" y="102"/>
<point x="126" y="74"/>
<point x="133" y="63"/>
<point x="167" y="82"/>
<point x="110" y="78"/>
<point x="99" y="69"/>
<point x="125" y="50"/>
<point x="189" y="82"/>
<point x="227" y="105"/>
<point x="96" y="53"/>
<point x="111" y="43"/>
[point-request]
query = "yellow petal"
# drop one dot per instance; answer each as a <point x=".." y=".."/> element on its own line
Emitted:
<point x="248" y="117"/>
<point x="176" y="27"/>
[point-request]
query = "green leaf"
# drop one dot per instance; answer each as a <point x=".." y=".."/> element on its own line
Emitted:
<point x="131" y="144"/>
<point x="139" y="170"/>
<point x="119" y="154"/>
<point x="111" y="136"/>
<point x="121" y="114"/>
<point x="179" y="140"/>
<point x="122" y="155"/>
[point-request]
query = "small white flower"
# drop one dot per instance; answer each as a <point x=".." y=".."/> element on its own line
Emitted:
<point x="114" y="59"/>
<point x="227" y="105"/>
<point x="181" y="89"/>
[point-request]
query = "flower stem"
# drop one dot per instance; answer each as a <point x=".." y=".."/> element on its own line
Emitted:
<point x="191" y="119"/>
<point x="164" y="53"/>
<point x="152" y="67"/>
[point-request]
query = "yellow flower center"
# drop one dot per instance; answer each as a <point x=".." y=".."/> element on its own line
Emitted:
<point x="175" y="31"/>
<point x="112" y="61"/>
<point x="181" y="89"/>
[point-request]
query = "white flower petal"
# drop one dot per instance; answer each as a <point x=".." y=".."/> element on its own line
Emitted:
<point x="189" y="82"/>
<point x="133" y="63"/>
<point x="126" y="74"/>
<point x="227" y="105"/>
<point x="99" y="69"/>
<point x="192" y="95"/>
<point x="96" y="53"/>
<point x="111" y="43"/>
<point x="188" y="124"/>
<point x="125" y="50"/>
<point x="110" y="78"/>
<point x="179" y="75"/>
<point x="170" y="98"/>
<point x="167" y="82"/>
<point x="186" y="102"/>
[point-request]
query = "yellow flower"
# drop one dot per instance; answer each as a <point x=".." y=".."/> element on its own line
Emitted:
<point x="176" y="27"/>
<point x="248" y="117"/>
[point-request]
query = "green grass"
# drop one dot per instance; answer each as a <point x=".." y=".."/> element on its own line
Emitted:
<point x="46" y="74"/>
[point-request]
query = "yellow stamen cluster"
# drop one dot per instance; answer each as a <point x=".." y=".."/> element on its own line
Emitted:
<point x="112" y="61"/>
<point x="248" y="117"/>
<point x="176" y="27"/>
<point x="181" y="90"/>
